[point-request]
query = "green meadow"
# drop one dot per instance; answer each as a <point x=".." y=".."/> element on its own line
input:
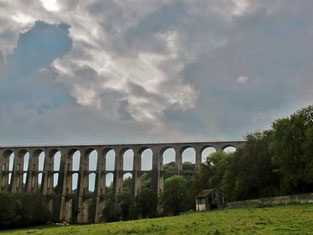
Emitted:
<point x="289" y="219"/>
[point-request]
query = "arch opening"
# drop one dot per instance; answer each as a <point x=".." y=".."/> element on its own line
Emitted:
<point x="128" y="160"/>
<point x="39" y="180"/>
<point x="41" y="161"/>
<point x="109" y="183"/>
<point x="93" y="160"/>
<point x="76" y="155"/>
<point x="127" y="182"/>
<point x="25" y="167"/>
<point x="229" y="149"/>
<point x="26" y="161"/>
<point x="56" y="161"/>
<point x="55" y="179"/>
<point x="169" y="156"/>
<point x="146" y="160"/>
<point x="206" y="152"/>
<point x="110" y="160"/>
<point x="74" y="181"/>
<point x="24" y="178"/>
<point x="92" y="182"/>
<point x="11" y="164"/>
<point x="188" y="158"/>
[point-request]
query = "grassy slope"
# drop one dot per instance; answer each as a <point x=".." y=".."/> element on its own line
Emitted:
<point x="291" y="219"/>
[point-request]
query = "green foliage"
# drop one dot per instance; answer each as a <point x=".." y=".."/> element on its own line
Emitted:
<point x="174" y="195"/>
<point x="249" y="172"/>
<point x="23" y="209"/>
<point x="211" y="171"/>
<point x="112" y="211"/>
<point x="146" y="180"/>
<point x="125" y="200"/>
<point x="274" y="162"/>
<point x="308" y="155"/>
<point x="169" y="170"/>
<point x="7" y="210"/>
<point x="188" y="166"/>
<point x="121" y="208"/>
<point x="292" y="152"/>
<point x="127" y="184"/>
<point x="146" y="203"/>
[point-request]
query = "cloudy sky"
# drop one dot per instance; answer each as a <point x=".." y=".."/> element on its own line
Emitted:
<point x="150" y="70"/>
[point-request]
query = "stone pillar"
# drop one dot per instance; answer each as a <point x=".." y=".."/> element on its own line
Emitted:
<point x="218" y="147"/>
<point x="136" y="173"/>
<point x="17" y="174"/>
<point x="32" y="172"/>
<point x="118" y="174"/>
<point x="50" y="203"/>
<point x="198" y="157"/>
<point x="157" y="178"/>
<point x="4" y="168"/>
<point x="100" y="185"/>
<point x="178" y="160"/>
<point x="83" y="184"/>
<point x="65" y="183"/>
<point x="47" y="176"/>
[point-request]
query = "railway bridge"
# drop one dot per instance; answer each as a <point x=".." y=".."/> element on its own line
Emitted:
<point x="57" y="182"/>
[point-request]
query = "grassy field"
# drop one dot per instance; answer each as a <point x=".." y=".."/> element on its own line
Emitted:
<point x="291" y="219"/>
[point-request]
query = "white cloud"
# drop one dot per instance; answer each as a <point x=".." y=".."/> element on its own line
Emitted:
<point x="23" y="19"/>
<point x="51" y="5"/>
<point x="240" y="7"/>
<point x="242" y="79"/>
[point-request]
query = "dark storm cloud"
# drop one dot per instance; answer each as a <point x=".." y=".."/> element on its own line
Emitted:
<point x="186" y="121"/>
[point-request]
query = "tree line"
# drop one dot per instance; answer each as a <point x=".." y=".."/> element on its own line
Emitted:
<point x="274" y="162"/>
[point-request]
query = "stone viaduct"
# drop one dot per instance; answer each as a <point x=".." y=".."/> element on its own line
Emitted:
<point x="58" y="190"/>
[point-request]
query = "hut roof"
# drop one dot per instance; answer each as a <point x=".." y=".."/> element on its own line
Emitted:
<point x="206" y="192"/>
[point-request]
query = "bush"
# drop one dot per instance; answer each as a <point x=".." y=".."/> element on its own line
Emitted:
<point x="112" y="211"/>
<point x="174" y="196"/>
<point x="7" y="209"/>
<point x="23" y="209"/>
<point x="146" y="203"/>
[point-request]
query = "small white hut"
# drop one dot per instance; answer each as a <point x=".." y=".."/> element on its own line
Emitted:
<point x="209" y="199"/>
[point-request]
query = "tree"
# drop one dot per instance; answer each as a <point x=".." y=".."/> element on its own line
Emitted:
<point x="169" y="170"/>
<point x="211" y="172"/>
<point x="174" y="195"/>
<point x="31" y="209"/>
<point x="7" y="206"/>
<point x="111" y="211"/>
<point x="124" y="201"/>
<point x="23" y="209"/>
<point x="291" y="152"/>
<point x="245" y="174"/>
<point x="250" y="172"/>
<point x="308" y="155"/>
<point x="146" y="203"/>
<point x="127" y="184"/>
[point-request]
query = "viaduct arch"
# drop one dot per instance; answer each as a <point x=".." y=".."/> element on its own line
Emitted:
<point x="57" y="178"/>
